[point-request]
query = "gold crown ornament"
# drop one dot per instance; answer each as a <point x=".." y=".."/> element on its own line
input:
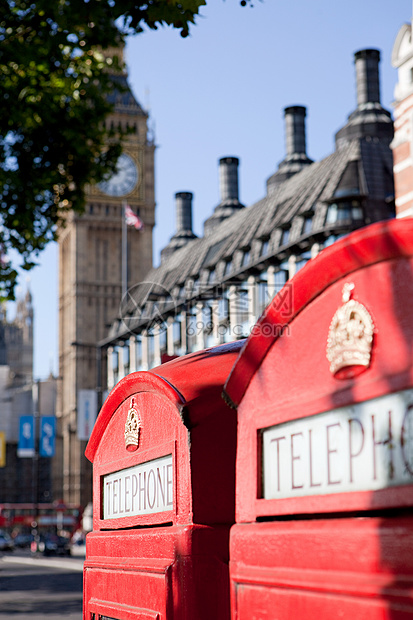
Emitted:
<point x="132" y="428"/>
<point x="350" y="337"/>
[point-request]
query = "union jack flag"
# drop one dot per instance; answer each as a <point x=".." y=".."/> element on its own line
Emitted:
<point x="132" y="219"/>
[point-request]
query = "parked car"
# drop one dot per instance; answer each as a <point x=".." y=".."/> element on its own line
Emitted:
<point x="51" y="544"/>
<point x="6" y="542"/>
<point x="23" y="540"/>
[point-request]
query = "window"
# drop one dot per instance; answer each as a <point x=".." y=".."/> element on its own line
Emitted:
<point x="265" y="247"/>
<point x="263" y="295"/>
<point x="280" y="278"/>
<point x="211" y="277"/>
<point x="356" y="211"/>
<point x="245" y="258"/>
<point x="105" y="258"/>
<point x="223" y="307"/>
<point x="138" y="353"/>
<point x="125" y="356"/>
<point x="332" y="214"/>
<point x="115" y="361"/>
<point x="285" y="236"/>
<point x="162" y="339"/>
<point x="195" y="286"/>
<point x="308" y="224"/>
<point x="151" y="350"/>
<point x="176" y="330"/>
<point x="191" y="331"/>
<point x="344" y="211"/>
<point x="302" y="260"/>
<point x="210" y="340"/>
<point x="207" y="318"/>
<point x="332" y="239"/>
<point x="228" y="267"/>
<point x="239" y="310"/>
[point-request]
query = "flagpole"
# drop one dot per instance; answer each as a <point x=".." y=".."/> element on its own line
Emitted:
<point x="124" y="252"/>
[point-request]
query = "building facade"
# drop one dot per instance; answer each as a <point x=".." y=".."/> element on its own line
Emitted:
<point x="22" y="479"/>
<point x="402" y="60"/>
<point x="212" y="289"/>
<point x="91" y="267"/>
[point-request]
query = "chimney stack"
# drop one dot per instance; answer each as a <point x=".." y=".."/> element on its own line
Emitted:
<point x="228" y="185"/>
<point x="183" y="206"/>
<point x="228" y="179"/>
<point x="295" y="129"/>
<point x="296" y="151"/>
<point x="367" y="76"/>
<point x="369" y="119"/>
<point x="183" y="214"/>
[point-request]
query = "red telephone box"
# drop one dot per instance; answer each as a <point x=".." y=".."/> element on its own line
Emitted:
<point x="324" y="391"/>
<point x="163" y="452"/>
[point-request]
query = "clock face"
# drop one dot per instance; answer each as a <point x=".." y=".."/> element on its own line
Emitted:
<point x="124" y="179"/>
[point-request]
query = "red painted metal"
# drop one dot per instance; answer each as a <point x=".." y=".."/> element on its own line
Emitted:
<point x="171" y="564"/>
<point x="356" y="568"/>
<point x="367" y="246"/>
<point x="345" y="554"/>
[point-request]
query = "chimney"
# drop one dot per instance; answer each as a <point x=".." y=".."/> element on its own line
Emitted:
<point x="228" y="179"/>
<point x="183" y="206"/>
<point x="369" y="119"/>
<point x="295" y="129"/>
<point x="367" y="76"/>
<point x="228" y="185"/>
<point x="183" y="213"/>
<point x="296" y="156"/>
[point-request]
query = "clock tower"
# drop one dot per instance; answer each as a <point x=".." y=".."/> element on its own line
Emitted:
<point x="90" y="287"/>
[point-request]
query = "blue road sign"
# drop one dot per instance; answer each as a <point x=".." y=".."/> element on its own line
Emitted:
<point x="25" y="447"/>
<point x="47" y="435"/>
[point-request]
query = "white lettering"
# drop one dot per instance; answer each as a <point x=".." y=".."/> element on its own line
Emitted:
<point x="134" y="491"/>
<point x="277" y="440"/>
<point x="367" y="446"/>
<point x="151" y="492"/>
<point x="146" y="488"/>
<point x="169" y="485"/>
<point x="161" y="486"/>
<point x="331" y="450"/>
<point x="142" y="491"/>
<point x="295" y="457"/>
<point x="352" y="455"/>
<point x="127" y="479"/>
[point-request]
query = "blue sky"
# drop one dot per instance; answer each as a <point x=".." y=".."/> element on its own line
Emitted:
<point x="222" y="92"/>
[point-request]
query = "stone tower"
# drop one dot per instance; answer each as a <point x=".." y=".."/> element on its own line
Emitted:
<point x="90" y="283"/>
<point x="18" y="340"/>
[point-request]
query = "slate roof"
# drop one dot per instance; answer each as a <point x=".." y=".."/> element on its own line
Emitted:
<point x="314" y="201"/>
<point x="358" y="162"/>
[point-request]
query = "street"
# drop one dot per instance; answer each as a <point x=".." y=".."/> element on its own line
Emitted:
<point x="40" y="588"/>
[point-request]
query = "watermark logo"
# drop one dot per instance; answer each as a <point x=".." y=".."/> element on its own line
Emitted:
<point x="283" y="302"/>
<point x="228" y="310"/>
<point x="147" y="305"/>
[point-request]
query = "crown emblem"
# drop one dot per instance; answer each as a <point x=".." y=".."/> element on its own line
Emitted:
<point x="132" y="428"/>
<point x="350" y="337"/>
